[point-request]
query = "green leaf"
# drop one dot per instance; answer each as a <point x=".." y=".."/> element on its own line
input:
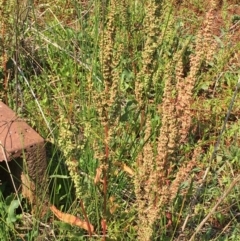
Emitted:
<point x="59" y="176"/>
<point x="63" y="226"/>
<point x="11" y="211"/>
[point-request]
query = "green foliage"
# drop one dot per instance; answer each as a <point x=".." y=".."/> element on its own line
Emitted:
<point x="59" y="55"/>
<point x="8" y="216"/>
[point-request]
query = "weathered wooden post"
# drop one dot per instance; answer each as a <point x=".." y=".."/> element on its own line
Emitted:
<point x="20" y="144"/>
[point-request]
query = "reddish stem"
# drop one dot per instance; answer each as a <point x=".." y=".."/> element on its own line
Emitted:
<point x="105" y="183"/>
<point x="86" y="218"/>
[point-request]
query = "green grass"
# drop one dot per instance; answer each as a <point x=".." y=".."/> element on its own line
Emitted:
<point x="59" y="75"/>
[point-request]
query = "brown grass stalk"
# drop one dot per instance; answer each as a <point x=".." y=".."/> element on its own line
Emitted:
<point x="86" y="218"/>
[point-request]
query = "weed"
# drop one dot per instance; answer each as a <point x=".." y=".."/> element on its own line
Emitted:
<point x="137" y="103"/>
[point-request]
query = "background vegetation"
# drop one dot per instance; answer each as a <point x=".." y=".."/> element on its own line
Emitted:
<point x="138" y="103"/>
